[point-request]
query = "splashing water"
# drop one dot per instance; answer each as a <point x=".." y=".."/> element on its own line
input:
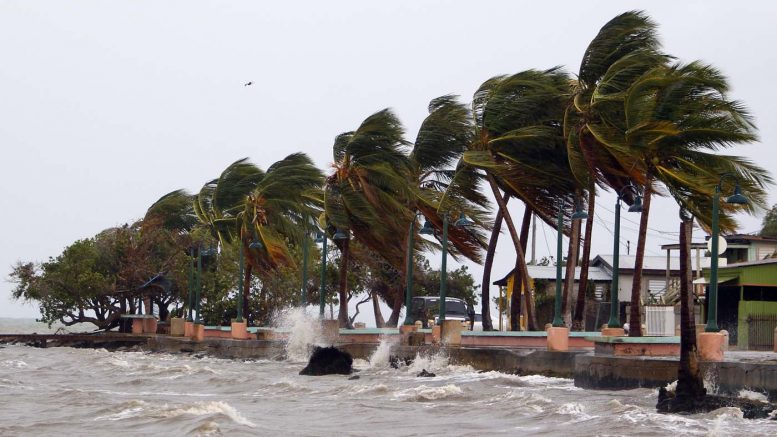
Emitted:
<point x="304" y="331"/>
<point x="380" y="358"/>
<point x="753" y="395"/>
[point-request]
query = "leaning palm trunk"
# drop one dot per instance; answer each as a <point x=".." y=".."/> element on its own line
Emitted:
<point x="379" y="322"/>
<point x="396" y="308"/>
<point x="578" y="324"/>
<point x="516" y="307"/>
<point x="569" y="280"/>
<point x="690" y="385"/>
<point x="520" y="258"/>
<point x="342" y="317"/>
<point x="635" y="314"/>
<point x="485" y="306"/>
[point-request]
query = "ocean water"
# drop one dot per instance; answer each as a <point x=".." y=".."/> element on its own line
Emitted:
<point x="65" y="391"/>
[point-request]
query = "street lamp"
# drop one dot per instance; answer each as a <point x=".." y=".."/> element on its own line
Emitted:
<point x="198" y="285"/>
<point x="462" y="222"/>
<point x="737" y="199"/>
<point x="191" y="286"/>
<point x="615" y="321"/>
<point x="577" y="215"/>
<point x="427" y="229"/>
<point x="303" y="297"/>
<point x="321" y="238"/>
<point x="239" y="318"/>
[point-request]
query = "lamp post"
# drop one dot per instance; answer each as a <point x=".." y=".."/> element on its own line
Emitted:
<point x="303" y="297"/>
<point x="190" y="300"/>
<point x="577" y="215"/>
<point x="462" y="222"/>
<point x="427" y="229"/>
<point x="614" y="321"/>
<point x="321" y="238"/>
<point x="241" y="264"/>
<point x="198" y="285"/>
<point x="738" y="199"/>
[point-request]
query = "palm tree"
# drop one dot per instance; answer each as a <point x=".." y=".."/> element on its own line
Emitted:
<point x="366" y="194"/>
<point x="624" y="48"/>
<point x="518" y="144"/>
<point x="270" y="209"/>
<point x="675" y="119"/>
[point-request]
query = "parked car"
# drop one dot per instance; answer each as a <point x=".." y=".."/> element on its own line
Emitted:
<point x="426" y="308"/>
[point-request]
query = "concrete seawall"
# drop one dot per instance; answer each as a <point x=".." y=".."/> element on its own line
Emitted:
<point x="741" y="370"/>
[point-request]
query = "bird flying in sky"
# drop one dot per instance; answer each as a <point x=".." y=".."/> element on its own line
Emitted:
<point x="248" y="83"/>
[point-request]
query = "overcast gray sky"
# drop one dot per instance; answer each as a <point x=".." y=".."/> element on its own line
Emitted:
<point x="106" y="106"/>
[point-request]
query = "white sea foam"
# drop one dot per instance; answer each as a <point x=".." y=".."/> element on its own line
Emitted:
<point x="753" y="395"/>
<point x="16" y="364"/>
<point x="304" y="331"/>
<point x="427" y="393"/>
<point x="380" y="358"/>
<point x="139" y="408"/>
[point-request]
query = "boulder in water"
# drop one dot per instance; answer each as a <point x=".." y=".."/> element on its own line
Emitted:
<point x="669" y="403"/>
<point x="328" y="361"/>
<point x="425" y="374"/>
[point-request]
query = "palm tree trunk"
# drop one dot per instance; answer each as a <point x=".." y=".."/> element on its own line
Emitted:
<point x="569" y="280"/>
<point x="485" y="305"/>
<point x="396" y="308"/>
<point x="515" y="299"/>
<point x="246" y="291"/>
<point x="379" y="322"/>
<point x="579" y="323"/>
<point x="342" y="317"/>
<point x="635" y="314"/>
<point x="520" y="258"/>
<point x="690" y="385"/>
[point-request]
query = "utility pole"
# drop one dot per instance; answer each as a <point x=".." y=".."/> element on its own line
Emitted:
<point x="533" y="239"/>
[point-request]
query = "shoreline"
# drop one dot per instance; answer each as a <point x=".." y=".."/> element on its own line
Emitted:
<point x="741" y="371"/>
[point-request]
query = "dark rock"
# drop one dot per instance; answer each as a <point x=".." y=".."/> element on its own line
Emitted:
<point x="425" y="374"/>
<point x="328" y="361"/>
<point x="395" y="361"/>
<point x="669" y="403"/>
<point x="354" y="377"/>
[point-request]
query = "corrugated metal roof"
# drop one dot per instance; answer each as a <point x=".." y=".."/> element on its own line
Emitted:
<point x="648" y="262"/>
<point x="549" y="272"/>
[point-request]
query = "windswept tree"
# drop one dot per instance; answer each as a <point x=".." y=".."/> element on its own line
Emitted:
<point x="366" y="194"/>
<point x="623" y="49"/>
<point x="676" y="118"/>
<point x="519" y="146"/>
<point x="262" y="212"/>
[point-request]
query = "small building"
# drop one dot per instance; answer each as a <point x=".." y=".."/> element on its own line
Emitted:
<point x="747" y="302"/>
<point x="659" y="275"/>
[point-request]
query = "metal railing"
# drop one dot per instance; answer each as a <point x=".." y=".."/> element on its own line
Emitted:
<point x="760" y="335"/>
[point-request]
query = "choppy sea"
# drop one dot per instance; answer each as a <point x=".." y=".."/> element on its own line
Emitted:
<point x="86" y="392"/>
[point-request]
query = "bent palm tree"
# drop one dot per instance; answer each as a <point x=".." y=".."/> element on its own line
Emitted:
<point x="247" y="205"/>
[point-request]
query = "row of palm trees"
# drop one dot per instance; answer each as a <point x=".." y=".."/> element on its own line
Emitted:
<point x="631" y="115"/>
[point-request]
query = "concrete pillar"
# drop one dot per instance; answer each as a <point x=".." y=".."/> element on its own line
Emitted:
<point x="451" y="332"/>
<point x="404" y="333"/>
<point x="436" y="331"/>
<point x="613" y="332"/>
<point x="558" y="339"/>
<point x="330" y="330"/>
<point x="199" y="332"/>
<point x="710" y="346"/>
<point x="137" y="326"/>
<point x="188" y="329"/>
<point x="177" y="326"/>
<point x="240" y="330"/>
<point x="149" y="325"/>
